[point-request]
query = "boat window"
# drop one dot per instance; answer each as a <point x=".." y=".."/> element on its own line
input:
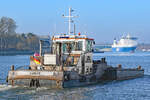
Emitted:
<point x="64" y="48"/>
<point x="67" y="47"/>
<point x="89" y="46"/>
<point x="75" y="46"/>
<point x="79" y="46"/>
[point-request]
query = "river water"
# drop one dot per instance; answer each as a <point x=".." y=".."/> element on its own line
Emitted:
<point x="135" y="89"/>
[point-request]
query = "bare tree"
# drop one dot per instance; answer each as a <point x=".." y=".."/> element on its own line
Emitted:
<point x="7" y="25"/>
<point x="9" y="39"/>
<point x="7" y="30"/>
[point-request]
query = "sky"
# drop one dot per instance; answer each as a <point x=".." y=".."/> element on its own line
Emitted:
<point x="102" y="20"/>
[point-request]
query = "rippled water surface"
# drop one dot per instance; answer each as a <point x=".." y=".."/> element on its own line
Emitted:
<point x="135" y="89"/>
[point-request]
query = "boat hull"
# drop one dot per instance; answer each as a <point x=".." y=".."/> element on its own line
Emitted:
<point x="109" y="74"/>
<point x="123" y="49"/>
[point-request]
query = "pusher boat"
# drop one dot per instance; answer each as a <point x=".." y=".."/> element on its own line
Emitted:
<point x="68" y="63"/>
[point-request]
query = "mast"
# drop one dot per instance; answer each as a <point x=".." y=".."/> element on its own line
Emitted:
<point x="70" y="19"/>
<point x="74" y="30"/>
<point x="40" y="47"/>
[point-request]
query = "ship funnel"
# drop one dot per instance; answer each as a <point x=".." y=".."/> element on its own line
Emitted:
<point x="115" y="41"/>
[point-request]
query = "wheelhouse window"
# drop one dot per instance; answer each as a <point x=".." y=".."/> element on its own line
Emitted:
<point x="89" y="45"/>
<point x="79" y="46"/>
<point x="64" y="48"/>
<point x="74" y="46"/>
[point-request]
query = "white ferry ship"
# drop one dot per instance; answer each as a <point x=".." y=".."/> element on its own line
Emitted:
<point x="125" y="44"/>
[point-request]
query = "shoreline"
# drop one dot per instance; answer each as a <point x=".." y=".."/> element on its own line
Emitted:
<point x="13" y="53"/>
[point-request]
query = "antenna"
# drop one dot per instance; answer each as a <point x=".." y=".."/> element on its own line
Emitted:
<point x="70" y="19"/>
<point x="74" y="29"/>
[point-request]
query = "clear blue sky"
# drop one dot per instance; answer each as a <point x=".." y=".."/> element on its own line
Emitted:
<point x="101" y="19"/>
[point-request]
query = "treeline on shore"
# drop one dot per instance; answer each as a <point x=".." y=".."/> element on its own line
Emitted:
<point x="24" y="43"/>
<point x="12" y="41"/>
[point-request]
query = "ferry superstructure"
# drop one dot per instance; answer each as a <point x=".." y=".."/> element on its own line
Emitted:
<point x="125" y="44"/>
